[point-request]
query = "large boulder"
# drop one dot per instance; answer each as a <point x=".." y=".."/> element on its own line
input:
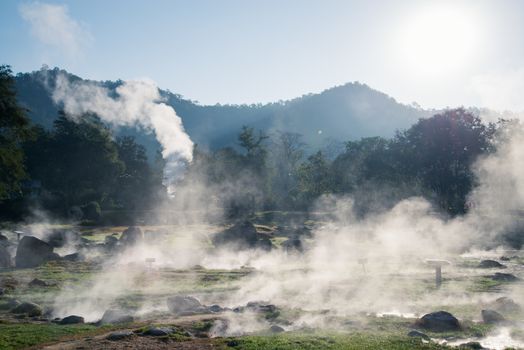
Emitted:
<point x="5" y="257"/>
<point x="183" y="304"/>
<point x="440" y="321"/>
<point x="32" y="252"/>
<point x="492" y="316"/>
<point x="243" y="235"/>
<point x="132" y="235"/>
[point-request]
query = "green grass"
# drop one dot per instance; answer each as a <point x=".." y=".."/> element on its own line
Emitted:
<point x="22" y="335"/>
<point x="356" y="341"/>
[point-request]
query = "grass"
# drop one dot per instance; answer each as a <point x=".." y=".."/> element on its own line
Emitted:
<point x="23" y="335"/>
<point x="356" y="341"/>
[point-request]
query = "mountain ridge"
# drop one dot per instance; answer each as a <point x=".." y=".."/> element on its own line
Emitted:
<point x="344" y="112"/>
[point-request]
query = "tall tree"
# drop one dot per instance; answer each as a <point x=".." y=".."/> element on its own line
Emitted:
<point x="14" y="129"/>
<point x="440" y="151"/>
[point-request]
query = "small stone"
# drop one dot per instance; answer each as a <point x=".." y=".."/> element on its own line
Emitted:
<point x="492" y="316"/>
<point x="504" y="277"/>
<point x="38" y="283"/>
<point x="119" y="335"/>
<point x="276" y="329"/>
<point x="158" y="331"/>
<point x="415" y="333"/>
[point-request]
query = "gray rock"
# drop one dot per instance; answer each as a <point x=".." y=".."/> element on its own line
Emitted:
<point x="72" y="257"/>
<point x="9" y="304"/>
<point x="440" y="321"/>
<point x="492" y="316"/>
<point x="73" y="319"/>
<point x="119" y="335"/>
<point x="215" y="308"/>
<point x="491" y="264"/>
<point x="184" y="303"/>
<point x="38" y="283"/>
<point x="504" y="277"/>
<point x="415" y="333"/>
<point x="110" y="241"/>
<point x="131" y="235"/>
<point x="505" y="305"/>
<point x="276" y="329"/>
<point x="33" y="252"/>
<point x="474" y="345"/>
<point x="5" y="257"/>
<point x="116" y="317"/>
<point x="158" y="331"/>
<point x="29" y="309"/>
<point x="243" y="235"/>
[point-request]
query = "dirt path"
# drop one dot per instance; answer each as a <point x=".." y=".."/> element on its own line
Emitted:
<point x="132" y="342"/>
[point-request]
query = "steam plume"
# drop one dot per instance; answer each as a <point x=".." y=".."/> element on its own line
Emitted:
<point x="137" y="103"/>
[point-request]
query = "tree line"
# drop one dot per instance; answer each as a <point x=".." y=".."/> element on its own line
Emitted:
<point x="78" y="168"/>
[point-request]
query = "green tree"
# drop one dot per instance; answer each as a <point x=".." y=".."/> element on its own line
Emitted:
<point x="440" y="150"/>
<point x="313" y="178"/>
<point x="14" y="129"/>
<point x="77" y="162"/>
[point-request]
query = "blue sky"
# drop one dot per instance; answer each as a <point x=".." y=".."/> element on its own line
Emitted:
<point x="437" y="53"/>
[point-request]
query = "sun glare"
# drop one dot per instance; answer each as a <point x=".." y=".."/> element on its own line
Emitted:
<point x="437" y="40"/>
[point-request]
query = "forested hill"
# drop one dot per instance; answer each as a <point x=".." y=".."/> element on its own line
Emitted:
<point x="346" y="112"/>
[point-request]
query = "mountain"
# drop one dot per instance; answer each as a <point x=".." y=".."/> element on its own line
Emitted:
<point x="341" y="113"/>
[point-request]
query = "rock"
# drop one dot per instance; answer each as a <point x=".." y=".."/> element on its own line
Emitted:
<point x="504" y="277"/>
<point x="30" y="309"/>
<point x="215" y="308"/>
<point x="119" y="335"/>
<point x="232" y="343"/>
<point x="276" y="329"/>
<point x="110" y="241"/>
<point x="115" y="317"/>
<point x="2" y="291"/>
<point x="33" y="252"/>
<point x="183" y="303"/>
<point x="5" y="257"/>
<point x="505" y="305"/>
<point x="72" y="257"/>
<point x="491" y="264"/>
<point x="38" y="283"/>
<point x="492" y="316"/>
<point x="257" y="306"/>
<point x="73" y="319"/>
<point x="132" y="235"/>
<point x="243" y="235"/>
<point x="3" y="239"/>
<point x="9" y="304"/>
<point x="415" y="333"/>
<point x="475" y="345"/>
<point x="158" y="331"/>
<point x="505" y="258"/>
<point x="293" y="244"/>
<point x="59" y="238"/>
<point x="440" y="321"/>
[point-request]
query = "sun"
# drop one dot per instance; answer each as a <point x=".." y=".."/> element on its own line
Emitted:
<point x="437" y="40"/>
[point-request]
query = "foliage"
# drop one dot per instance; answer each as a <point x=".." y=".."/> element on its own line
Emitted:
<point x="14" y="129"/>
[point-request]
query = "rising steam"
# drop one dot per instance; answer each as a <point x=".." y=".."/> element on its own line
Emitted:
<point x="137" y="103"/>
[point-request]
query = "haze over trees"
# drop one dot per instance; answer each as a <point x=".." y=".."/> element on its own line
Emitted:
<point x="80" y="165"/>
